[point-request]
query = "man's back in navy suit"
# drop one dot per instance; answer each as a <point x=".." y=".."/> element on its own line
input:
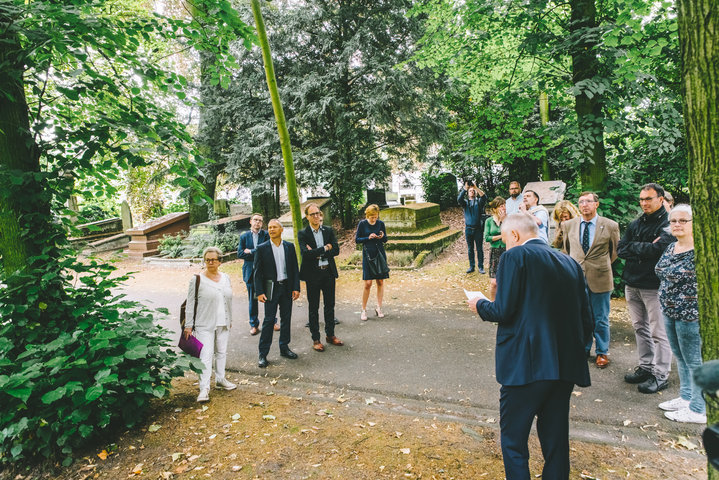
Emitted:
<point x="543" y="318"/>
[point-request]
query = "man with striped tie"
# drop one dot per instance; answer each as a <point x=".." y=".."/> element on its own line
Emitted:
<point x="592" y="241"/>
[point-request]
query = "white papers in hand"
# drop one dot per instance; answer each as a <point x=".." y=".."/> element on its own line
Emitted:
<point x="471" y="295"/>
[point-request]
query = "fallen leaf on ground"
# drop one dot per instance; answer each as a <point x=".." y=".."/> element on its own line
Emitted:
<point x="404" y="450"/>
<point x="627" y="422"/>
<point x="269" y="418"/>
<point x="236" y="416"/>
<point x="370" y="400"/>
<point x="686" y="443"/>
<point x="103" y="455"/>
<point x="138" y="469"/>
<point x="153" y="428"/>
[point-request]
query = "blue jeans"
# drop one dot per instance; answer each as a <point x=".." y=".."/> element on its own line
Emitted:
<point x="600" y="313"/>
<point x="686" y="345"/>
<point x="474" y="237"/>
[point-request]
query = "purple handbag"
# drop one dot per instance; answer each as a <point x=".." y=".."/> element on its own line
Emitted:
<point x="190" y="345"/>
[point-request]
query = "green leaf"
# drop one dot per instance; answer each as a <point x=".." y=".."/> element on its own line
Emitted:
<point x="53" y="395"/>
<point x="23" y="393"/>
<point x="93" y="393"/>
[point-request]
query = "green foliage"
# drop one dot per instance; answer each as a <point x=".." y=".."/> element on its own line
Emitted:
<point x="440" y="188"/>
<point x="192" y="246"/>
<point x="171" y="246"/>
<point x="75" y="362"/>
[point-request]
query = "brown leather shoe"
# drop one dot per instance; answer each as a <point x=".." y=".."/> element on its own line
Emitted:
<point x="602" y="360"/>
<point x="277" y="327"/>
<point x="254" y="331"/>
<point x="335" y="341"/>
<point x="318" y="346"/>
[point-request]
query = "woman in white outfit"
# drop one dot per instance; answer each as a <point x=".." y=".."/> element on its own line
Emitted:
<point x="213" y="321"/>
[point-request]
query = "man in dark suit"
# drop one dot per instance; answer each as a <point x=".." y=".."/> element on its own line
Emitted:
<point x="544" y="323"/>
<point x="246" y="251"/>
<point x="318" y="246"/>
<point x="277" y="283"/>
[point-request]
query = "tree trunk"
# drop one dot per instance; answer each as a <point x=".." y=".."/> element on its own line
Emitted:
<point x="585" y="66"/>
<point x="698" y="32"/>
<point x="544" y="119"/>
<point x="292" y="195"/>
<point x="17" y="152"/>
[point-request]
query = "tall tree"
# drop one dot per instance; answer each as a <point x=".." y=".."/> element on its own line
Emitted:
<point x="698" y="33"/>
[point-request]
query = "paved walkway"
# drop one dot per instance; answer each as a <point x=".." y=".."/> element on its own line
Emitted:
<point x="441" y="356"/>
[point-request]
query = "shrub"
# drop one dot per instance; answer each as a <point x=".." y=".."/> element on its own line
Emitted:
<point x="75" y="361"/>
<point x="440" y="189"/>
<point x="171" y="246"/>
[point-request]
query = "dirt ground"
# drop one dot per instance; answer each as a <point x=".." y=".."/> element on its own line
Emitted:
<point x="293" y="429"/>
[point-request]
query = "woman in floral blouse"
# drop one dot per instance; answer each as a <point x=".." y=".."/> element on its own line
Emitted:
<point x="678" y="297"/>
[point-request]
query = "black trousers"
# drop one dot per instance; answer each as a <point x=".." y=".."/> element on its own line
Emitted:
<point x="324" y="283"/>
<point x="282" y="298"/>
<point x="548" y="400"/>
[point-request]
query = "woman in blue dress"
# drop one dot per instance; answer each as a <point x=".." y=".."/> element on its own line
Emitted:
<point x="371" y="234"/>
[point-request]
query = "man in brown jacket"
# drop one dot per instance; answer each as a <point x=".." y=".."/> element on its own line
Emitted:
<point x="592" y="241"/>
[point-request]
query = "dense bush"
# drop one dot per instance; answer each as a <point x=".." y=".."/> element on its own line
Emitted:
<point x="177" y="246"/>
<point x="75" y="361"/>
<point x="440" y="188"/>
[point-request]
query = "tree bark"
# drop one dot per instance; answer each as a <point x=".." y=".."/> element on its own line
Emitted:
<point x="698" y="33"/>
<point x="17" y="153"/>
<point x="292" y="194"/>
<point x="585" y="66"/>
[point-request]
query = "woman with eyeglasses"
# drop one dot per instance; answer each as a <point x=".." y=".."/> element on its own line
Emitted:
<point x="212" y="323"/>
<point x="678" y="297"/>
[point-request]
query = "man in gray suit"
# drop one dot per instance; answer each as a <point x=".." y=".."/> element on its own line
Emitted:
<point x="592" y="241"/>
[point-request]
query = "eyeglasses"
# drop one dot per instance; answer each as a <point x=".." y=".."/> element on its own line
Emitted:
<point x="212" y="260"/>
<point x="314" y="214"/>
<point x="680" y="221"/>
<point x="584" y="202"/>
<point x="647" y="199"/>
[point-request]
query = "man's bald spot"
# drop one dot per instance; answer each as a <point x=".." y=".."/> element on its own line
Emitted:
<point x="522" y="223"/>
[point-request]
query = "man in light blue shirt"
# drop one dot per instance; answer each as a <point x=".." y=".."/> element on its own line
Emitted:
<point x="540" y="214"/>
<point x="515" y="198"/>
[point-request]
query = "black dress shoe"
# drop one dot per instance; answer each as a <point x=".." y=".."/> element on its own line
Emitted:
<point x="337" y="322"/>
<point x="307" y="325"/>
<point x="653" y="385"/>
<point x="262" y="363"/>
<point x="481" y="270"/>
<point x="287" y="353"/>
<point x="470" y="270"/>
<point x="638" y="376"/>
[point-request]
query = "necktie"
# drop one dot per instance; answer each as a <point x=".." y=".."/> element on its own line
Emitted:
<point x="585" y="237"/>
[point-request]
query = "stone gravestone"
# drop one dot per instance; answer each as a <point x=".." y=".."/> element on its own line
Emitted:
<point x="378" y="197"/>
<point x="126" y="215"/>
<point x="146" y="237"/>
<point x="550" y="192"/>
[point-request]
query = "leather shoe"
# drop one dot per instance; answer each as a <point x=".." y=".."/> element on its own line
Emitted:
<point x="470" y="270"/>
<point x="638" y="376"/>
<point x="262" y="363"/>
<point x="337" y="322"/>
<point x="602" y="360"/>
<point x="254" y="331"/>
<point x="318" y="347"/>
<point x="307" y="325"/>
<point x="335" y="341"/>
<point x="653" y="385"/>
<point x="287" y="353"/>
<point x="277" y="327"/>
<point x="481" y="270"/>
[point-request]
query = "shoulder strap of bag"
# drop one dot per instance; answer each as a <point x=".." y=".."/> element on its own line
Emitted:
<point x="194" y="313"/>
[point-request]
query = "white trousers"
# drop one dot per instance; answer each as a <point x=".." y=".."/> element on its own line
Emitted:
<point x="214" y="344"/>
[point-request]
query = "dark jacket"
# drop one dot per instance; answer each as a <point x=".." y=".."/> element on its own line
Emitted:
<point x="246" y="242"/>
<point x="265" y="269"/>
<point x="311" y="257"/>
<point x="543" y="317"/>
<point x="640" y="250"/>
<point x="473" y="209"/>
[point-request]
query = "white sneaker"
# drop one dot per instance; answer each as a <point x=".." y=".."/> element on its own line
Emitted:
<point x="686" y="416"/>
<point x="225" y="384"/>
<point x="674" y="405"/>
<point x="204" y="396"/>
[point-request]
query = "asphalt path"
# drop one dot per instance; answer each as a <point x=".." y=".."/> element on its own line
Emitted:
<point x="441" y="356"/>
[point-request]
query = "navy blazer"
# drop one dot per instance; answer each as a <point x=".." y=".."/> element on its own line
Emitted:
<point x="265" y="268"/>
<point x="311" y="258"/>
<point x="543" y="317"/>
<point x="246" y="242"/>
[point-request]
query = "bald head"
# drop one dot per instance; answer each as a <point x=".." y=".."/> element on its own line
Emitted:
<point x="517" y="228"/>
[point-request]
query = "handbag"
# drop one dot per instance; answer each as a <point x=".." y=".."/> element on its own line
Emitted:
<point x="190" y="345"/>
<point x="377" y="266"/>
